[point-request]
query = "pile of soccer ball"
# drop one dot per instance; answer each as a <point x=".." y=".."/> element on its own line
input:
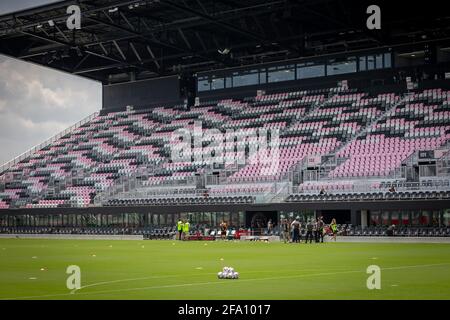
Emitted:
<point x="228" y="273"/>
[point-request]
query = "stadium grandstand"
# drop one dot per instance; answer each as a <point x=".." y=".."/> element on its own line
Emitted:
<point x="238" y="111"/>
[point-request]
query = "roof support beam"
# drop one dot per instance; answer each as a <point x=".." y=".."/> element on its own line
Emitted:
<point x="68" y="45"/>
<point x="154" y="41"/>
<point x="226" y="25"/>
<point x="150" y="51"/>
<point x="135" y="52"/>
<point x="119" y="50"/>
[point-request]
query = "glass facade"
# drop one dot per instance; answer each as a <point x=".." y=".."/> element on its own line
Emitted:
<point x="310" y="70"/>
<point x="341" y="67"/>
<point x="281" y="73"/>
<point x="432" y="218"/>
<point x="370" y="62"/>
<point x="133" y="220"/>
<point x="302" y="215"/>
<point x="387" y="60"/>
<point x="203" y="84"/>
<point x="293" y="71"/>
<point x="379" y="61"/>
<point x="248" y="78"/>
<point x="217" y="83"/>
<point x="363" y="63"/>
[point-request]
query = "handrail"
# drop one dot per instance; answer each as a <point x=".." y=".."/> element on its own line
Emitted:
<point x="368" y="186"/>
<point x="47" y="142"/>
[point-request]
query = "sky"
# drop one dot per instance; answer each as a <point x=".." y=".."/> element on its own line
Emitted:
<point x="36" y="102"/>
<point x="8" y="6"/>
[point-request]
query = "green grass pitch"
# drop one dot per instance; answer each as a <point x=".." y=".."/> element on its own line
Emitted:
<point x="36" y="269"/>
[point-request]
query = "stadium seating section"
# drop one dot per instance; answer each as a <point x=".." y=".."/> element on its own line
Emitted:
<point x="369" y="137"/>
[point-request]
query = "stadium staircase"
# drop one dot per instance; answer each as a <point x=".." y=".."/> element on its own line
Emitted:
<point x="332" y="161"/>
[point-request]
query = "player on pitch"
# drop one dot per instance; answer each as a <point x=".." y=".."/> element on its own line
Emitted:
<point x="180" y="229"/>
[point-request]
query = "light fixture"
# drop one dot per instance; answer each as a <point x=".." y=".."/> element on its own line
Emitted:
<point x="113" y="10"/>
<point x="224" y="51"/>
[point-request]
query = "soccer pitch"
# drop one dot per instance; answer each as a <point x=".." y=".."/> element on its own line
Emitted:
<point x="36" y="269"/>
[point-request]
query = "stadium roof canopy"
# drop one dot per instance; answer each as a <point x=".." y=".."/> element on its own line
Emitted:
<point x="152" y="38"/>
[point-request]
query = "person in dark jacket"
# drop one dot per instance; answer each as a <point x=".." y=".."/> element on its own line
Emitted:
<point x="295" y="225"/>
<point x="320" y="227"/>
<point x="309" y="231"/>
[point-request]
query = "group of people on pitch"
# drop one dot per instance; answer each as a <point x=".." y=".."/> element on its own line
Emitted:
<point x="315" y="229"/>
<point x="182" y="229"/>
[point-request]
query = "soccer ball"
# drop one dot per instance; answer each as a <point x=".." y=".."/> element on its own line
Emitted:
<point x="228" y="273"/>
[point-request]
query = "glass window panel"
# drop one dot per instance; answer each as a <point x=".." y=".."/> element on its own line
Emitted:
<point x="226" y="217"/>
<point x="415" y="218"/>
<point x="362" y="63"/>
<point x="281" y="73"/>
<point x="379" y="61"/>
<point x="435" y="219"/>
<point x="241" y="219"/>
<point x="248" y="78"/>
<point x="370" y="62"/>
<point x="405" y="218"/>
<point x="262" y="76"/>
<point x="155" y="220"/>
<point x="217" y="83"/>
<point x="425" y="218"/>
<point x="446" y="217"/>
<point x="341" y="67"/>
<point x="310" y="71"/>
<point x="375" y="218"/>
<point x="203" y="84"/>
<point x="387" y="60"/>
<point x="395" y="218"/>
<point x="228" y="82"/>
<point x="162" y="219"/>
<point x="385" y="218"/>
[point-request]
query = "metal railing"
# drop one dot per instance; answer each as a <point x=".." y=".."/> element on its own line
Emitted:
<point x="46" y="143"/>
<point x="333" y="161"/>
<point x="159" y="193"/>
<point x="383" y="186"/>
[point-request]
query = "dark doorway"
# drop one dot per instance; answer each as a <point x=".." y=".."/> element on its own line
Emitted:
<point x="259" y="219"/>
<point x="341" y="216"/>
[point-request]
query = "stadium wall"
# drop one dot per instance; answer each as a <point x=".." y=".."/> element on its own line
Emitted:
<point x="71" y="237"/>
<point x="391" y="239"/>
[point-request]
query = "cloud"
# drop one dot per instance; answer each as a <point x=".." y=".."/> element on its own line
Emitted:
<point x="37" y="103"/>
<point x="17" y="5"/>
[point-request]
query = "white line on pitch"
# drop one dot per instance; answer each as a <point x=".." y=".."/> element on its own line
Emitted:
<point x="222" y="282"/>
